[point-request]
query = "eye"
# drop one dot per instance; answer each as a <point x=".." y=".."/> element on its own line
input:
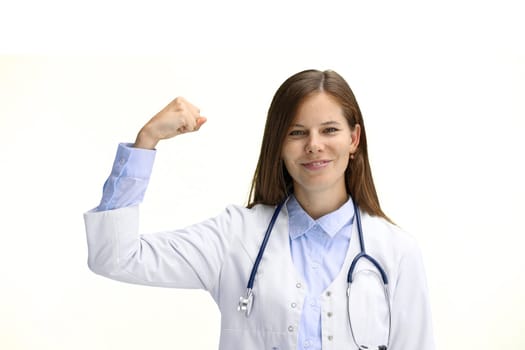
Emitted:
<point x="330" y="130"/>
<point x="296" y="133"/>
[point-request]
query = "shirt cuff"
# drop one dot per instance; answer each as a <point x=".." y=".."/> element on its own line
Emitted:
<point x="133" y="162"/>
<point x="129" y="178"/>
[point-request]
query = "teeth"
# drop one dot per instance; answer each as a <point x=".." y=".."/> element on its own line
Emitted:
<point x="317" y="163"/>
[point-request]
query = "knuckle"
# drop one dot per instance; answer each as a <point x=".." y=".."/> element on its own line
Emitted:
<point x="177" y="102"/>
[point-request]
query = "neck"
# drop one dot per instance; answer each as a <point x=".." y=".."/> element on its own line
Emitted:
<point x="318" y="204"/>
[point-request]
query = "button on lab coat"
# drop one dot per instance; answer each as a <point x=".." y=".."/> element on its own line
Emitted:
<point x="218" y="254"/>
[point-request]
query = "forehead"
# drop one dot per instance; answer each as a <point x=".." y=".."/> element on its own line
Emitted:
<point x="318" y="107"/>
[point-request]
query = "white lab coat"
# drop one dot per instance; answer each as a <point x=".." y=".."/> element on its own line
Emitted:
<point x="218" y="254"/>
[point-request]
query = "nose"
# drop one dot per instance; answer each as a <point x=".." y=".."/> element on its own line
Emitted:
<point x="313" y="144"/>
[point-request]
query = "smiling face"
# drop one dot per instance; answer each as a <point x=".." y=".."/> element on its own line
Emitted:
<point x="318" y="145"/>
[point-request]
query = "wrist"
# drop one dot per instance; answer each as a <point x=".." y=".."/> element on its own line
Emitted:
<point x="145" y="139"/>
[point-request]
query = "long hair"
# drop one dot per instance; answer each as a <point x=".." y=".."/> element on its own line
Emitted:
<point x="271" y="182"/>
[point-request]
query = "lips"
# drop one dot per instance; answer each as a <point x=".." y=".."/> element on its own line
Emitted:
<point x="316" y="165"/>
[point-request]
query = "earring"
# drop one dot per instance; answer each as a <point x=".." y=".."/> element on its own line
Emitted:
<point x="352" y="156"/>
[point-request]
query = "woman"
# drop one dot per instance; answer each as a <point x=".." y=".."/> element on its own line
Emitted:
<point x="313" y="181"/>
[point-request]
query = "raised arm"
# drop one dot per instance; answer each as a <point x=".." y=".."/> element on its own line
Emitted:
<point x="133" y="164"/>
<point x="184" y="258"/>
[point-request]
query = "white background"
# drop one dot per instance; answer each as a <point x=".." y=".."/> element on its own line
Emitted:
<point x="441" y="87"/>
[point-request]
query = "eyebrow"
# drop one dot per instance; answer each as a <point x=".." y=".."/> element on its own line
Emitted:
<point x="330" y="122"/>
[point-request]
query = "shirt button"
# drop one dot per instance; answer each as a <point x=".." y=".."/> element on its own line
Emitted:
<point x="328" y="293"/>
<point x="329" y="314"/>
<point x="330" y="337"/>
<point x="298" y="285"/>
<point x="306" y="344"/>
<point x="290" y="328"/>
<point x="293" y="305"/>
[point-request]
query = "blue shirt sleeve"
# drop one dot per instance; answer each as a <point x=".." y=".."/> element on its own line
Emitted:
<point x="129" y="178"/>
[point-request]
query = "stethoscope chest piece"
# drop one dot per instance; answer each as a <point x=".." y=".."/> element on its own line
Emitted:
<point x="246" y="303"/>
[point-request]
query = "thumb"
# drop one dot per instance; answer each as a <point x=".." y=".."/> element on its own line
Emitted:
<point x="200" y="120"/>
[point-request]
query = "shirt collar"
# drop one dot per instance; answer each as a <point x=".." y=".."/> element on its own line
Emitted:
<point x="331" y="223"/>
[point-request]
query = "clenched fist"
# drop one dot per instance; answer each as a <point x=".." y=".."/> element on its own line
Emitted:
<point x="178" y="117"/>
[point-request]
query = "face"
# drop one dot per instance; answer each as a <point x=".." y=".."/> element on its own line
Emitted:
<point x="317" y="148"/>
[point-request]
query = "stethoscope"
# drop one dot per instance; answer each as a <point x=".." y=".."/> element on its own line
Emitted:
<point x="246" y="302"/>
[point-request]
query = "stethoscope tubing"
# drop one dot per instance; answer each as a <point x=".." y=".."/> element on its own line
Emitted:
<point x="263" y="246"/>
<point x="382" y="274"/>
<point x="362" y="253"/>
<point x="246" y="302"/>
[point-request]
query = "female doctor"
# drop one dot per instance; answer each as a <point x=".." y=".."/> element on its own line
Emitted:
<point x="311" y="263"/>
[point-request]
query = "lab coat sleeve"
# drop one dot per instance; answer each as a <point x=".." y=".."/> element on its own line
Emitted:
<point x="411" y="316"/>
<point x="185" y="258"/>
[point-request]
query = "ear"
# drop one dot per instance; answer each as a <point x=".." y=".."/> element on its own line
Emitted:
<point x="355" y="135"/>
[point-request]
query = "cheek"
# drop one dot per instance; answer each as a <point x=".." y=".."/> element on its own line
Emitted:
<point x="289" y="157"/>
<point x="345" y="157"/>
<point x="287" y="164"/>
<point x="288" y="152"/>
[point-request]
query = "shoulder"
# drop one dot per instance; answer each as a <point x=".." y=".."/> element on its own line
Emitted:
<point x="397" y="249"/>
<point x="242" y="218"/>
<point x="379" y="232"/>
<point x="246" y="227"/>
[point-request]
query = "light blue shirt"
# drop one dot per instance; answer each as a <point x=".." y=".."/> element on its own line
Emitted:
<point x="318" y="247"/>
<point x="318" y="252"/>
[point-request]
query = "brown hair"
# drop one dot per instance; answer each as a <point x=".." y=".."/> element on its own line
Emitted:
<point x="271" y="182"/>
